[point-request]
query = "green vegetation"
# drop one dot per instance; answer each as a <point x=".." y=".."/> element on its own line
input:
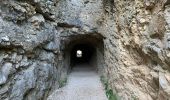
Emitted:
<point x="62" y="82"/>
<point x="109" y="92"/>
<point x="134" y="97"/>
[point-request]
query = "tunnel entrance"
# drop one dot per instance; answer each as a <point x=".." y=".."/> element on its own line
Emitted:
<point x="84" y="49"/>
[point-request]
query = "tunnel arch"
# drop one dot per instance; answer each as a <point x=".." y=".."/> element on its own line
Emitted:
<point x="92" y="47"/>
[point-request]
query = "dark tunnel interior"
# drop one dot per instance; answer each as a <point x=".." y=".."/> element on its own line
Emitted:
<point x="85" y="50"/>
<point x="86" y="56"/>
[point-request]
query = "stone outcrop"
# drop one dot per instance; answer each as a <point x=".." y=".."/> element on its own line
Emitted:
<point x="136" y="52"/>
<point x="35" y="33"/>
<point x="29" y="49"/>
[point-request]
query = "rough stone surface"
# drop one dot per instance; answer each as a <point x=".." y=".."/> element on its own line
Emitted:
<point x="29" y="67"/>
<point x="34" y="35"/>
<point x="136" y="50"/>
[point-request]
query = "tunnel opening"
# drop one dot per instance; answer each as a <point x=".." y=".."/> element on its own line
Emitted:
<point x="82" y="54"/>
<point x="84" y="49"/>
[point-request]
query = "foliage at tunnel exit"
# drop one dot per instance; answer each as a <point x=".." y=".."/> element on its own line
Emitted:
<point x="109" y="92"/>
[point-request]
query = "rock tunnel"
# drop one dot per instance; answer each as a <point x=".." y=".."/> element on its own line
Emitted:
<point x="84" y="49"/>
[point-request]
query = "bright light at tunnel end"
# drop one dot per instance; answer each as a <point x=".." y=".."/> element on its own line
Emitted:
<point x="79" y="53"/>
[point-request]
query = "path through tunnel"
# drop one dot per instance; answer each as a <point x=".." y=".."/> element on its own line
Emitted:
<point x="83" y="57"/>
<point x="85" y="49"/>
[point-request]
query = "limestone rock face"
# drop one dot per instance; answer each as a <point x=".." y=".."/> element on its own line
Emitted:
<point x="136" y="45"/>
<point x="137" y="53"/>
<point x="28" y="63"/>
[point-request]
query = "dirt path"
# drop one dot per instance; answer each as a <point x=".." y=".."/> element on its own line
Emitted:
<point x="83" y="84"/>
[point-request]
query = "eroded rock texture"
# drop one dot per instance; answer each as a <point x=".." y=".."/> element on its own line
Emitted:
<point x="34" y="35"/>
<point x="136" y="52"/>
<point x="29" y="49"/>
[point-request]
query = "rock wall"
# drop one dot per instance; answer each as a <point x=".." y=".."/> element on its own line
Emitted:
<point x="137" y="49"/>
<point x="34" y="34"/>
<point x="29" y="50"/>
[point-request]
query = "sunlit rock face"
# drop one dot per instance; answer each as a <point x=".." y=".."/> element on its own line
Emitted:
<point x="80" y="13"/>
<point x="134" y="55"/>
<point x="137" y="51"/>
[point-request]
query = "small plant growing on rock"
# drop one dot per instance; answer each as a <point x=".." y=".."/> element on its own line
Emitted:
<point x="109" y="92"/>
<point x="62" y="82"/>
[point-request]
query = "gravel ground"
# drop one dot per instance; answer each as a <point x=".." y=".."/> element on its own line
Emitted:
<point x="83" y="84"/>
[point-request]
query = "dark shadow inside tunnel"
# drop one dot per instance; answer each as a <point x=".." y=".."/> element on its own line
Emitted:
<point x="86" y="55"/>
<point x="84" y="49"/>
